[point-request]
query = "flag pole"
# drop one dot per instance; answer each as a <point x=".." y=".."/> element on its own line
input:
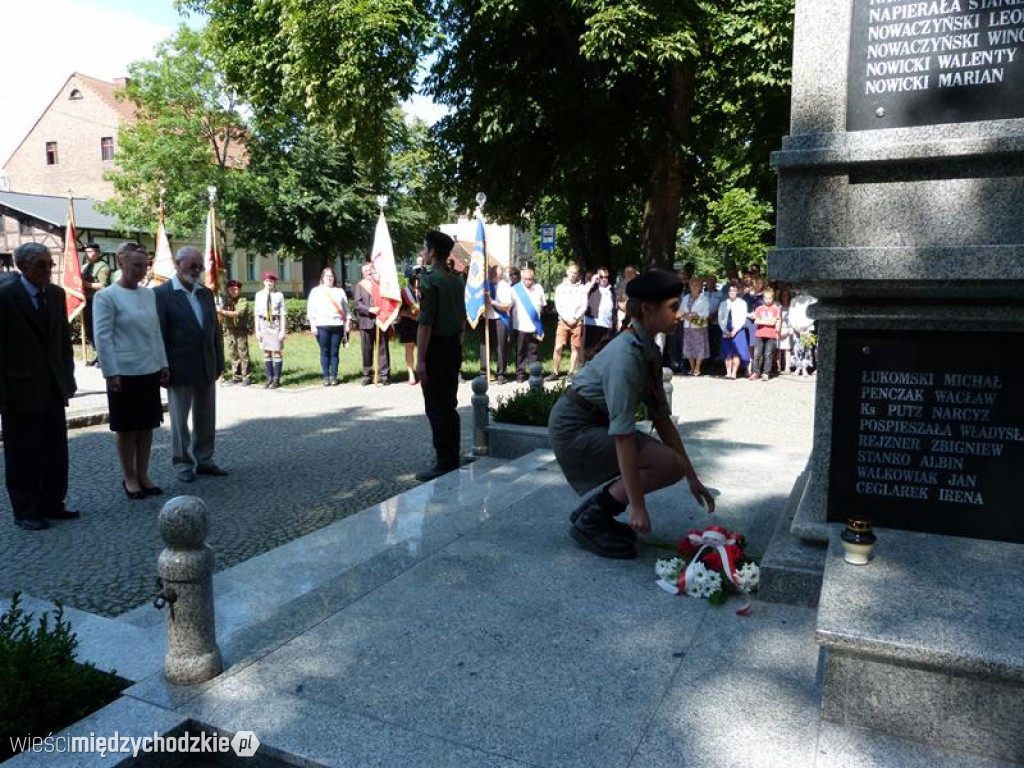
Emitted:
<point x="481" y="198"/>
<point x="64" y="266"/>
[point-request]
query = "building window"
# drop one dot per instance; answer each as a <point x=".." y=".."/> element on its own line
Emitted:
<point x="51" y="153"/>
<point x="107" y="148"/>
<point x="24" y="229"/>
<point x="250" y="267"/>
<point x="75" y="95"/>
<point x="229" y="265"/>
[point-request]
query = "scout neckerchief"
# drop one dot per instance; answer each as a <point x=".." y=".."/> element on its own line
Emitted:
<point x="531" y="310"/>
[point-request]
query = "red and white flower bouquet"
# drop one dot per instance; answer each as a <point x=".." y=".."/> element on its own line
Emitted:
<point x="712" y="565"/>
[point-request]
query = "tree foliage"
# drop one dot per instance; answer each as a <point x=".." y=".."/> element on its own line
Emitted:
<point x="341" y="63"/>
<point x="187" y="136"/>
<point x="635" y="114"/>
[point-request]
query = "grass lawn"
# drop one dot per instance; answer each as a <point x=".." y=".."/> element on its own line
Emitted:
<point x="302" y="358"/>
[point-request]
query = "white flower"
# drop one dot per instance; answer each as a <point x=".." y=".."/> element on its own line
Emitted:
<point x="702" y="583"/>
<point x="669" y="570"/>
<point x="748" y="577"/>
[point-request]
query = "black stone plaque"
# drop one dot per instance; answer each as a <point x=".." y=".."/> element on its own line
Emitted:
<point x="922" y="62"/>
<point x="928" y="432"/>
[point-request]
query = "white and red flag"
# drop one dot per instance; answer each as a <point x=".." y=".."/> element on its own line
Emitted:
<point x="387" y="295"/>
<point x="71" y="275"/>
<point x="213" y="264"/>
<point x="163" y="259"/>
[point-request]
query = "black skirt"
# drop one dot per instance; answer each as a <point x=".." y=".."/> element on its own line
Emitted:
<point x="137" y="406"/>
<point x="407" y="328"/>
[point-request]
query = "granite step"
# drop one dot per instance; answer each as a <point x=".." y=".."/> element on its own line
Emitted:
<point x="923" y="643"/>
<point x="792" y="568"/>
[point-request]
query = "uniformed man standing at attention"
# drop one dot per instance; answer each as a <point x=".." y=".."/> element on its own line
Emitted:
<point x="237" y="327"/>
<point x="439" y="350"/>
<point x="593" y="426"/>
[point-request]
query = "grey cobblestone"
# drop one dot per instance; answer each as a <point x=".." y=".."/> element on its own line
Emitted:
<point x="299" y="460"/>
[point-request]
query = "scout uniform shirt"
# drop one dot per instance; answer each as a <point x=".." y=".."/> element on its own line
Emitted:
<point x="625" y="372"/>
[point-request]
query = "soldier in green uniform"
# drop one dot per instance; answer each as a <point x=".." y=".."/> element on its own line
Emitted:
<point x="95" y="277"/>
<point x="593" y="426"/>
<point x="439" y="350"/>
<point x="237" y="327"/>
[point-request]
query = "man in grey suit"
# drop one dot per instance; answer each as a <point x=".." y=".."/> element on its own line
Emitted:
<point x="37" y="377"/>
<point x="195" y="355"/>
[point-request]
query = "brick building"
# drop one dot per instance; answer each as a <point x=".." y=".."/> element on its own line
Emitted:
<point x="70" y="147"/>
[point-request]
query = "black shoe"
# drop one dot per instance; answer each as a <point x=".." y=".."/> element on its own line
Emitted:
<point x="153" y="490"/>
<point x="552" y="377"/>
<point x="622" y="528"/>
<point x="32" y="524"/>
<point x="245" y="382"/>
<point x="275" y="384"/>
<point x="268" y="384"/>
<point x="433" y="473"/>
<point x="367" y="381"/>
<point x="603" y="540"/>
<point x="89" y="364"/>
<point x="332" y="381"/>
<point x="135" y="495"/>
<point x="502" y="380"/>
<point x="327" y="382"/>
<point x="595" y="529"/>
<point x="211" y="469"/>
<point x="385" y="382"/>
<point x="64" y="514"/>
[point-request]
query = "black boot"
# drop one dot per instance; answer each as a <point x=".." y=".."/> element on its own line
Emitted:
<point x="607" y="502"/>
<point x="595" y="528"/>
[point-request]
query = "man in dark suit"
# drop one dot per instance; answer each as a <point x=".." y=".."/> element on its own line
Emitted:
<point x="195" y="355"/>
<point x="37" y="377"/>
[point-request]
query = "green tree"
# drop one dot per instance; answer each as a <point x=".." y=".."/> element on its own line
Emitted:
<point x="309" y="196"/>
<point x="633" y="112"/>
<point x="188" y="135"/>
<point x="341" y="63"/>
<point x="741" y="221"/>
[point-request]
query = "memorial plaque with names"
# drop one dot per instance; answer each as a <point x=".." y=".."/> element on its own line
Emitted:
<point x="925" y="62"/>
<point x="928" y="432"/>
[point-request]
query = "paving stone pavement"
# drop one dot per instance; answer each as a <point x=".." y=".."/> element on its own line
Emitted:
<point x="299" y="460"/>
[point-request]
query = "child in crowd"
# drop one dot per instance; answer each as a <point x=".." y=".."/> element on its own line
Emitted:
<point x="767" y="324"/>
<point x="270" y="327"/>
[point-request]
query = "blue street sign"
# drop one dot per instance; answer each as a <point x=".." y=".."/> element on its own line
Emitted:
<point x="547" y="237"/>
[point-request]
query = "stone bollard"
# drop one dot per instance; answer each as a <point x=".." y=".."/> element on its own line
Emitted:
<point x="481" y="417"/>
<point x="186" y="579"/>
<point x="536" y="377"/>
<point x="666" y="377"/>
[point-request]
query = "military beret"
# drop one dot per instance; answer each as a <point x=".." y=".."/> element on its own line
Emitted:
<point x="655" y="285"/>
<point x="234" y="284"/>
<point x="269" y="276"/>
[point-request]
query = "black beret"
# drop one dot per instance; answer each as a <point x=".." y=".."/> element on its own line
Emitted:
<point x="655" y="285"/>
<point x="92" y="244"/>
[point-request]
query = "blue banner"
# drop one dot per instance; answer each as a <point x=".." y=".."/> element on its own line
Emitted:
<point x="477" y="287"/>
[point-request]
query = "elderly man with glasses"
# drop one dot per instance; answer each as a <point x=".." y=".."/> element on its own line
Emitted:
<point x="37" y="378"/>
<point x="195" y="355"/>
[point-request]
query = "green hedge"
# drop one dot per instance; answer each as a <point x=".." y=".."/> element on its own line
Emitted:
<point x="533" y="408"/>
<point x="42" y="688"/>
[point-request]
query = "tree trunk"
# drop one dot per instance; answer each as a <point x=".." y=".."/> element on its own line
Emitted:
<point x="661" y="212"/>
<point x="312" y="265"/>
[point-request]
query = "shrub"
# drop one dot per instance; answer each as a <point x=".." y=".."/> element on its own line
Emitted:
<point x="42" y="688"/>
<point x="527" y="406"/>
<point x="532" y="408"/>
<point x="295" y="315"/>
